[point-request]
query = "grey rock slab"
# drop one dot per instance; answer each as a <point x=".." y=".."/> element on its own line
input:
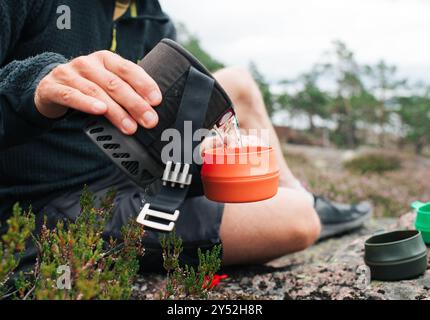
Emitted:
<point x="327" y="270"/>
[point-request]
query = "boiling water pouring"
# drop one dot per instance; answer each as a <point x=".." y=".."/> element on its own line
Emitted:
<point x="229" y="133"/>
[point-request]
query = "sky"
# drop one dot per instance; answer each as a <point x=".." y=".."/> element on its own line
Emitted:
<point x="285" y="37"/>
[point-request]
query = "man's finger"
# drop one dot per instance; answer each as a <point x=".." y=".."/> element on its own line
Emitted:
<point x="135" y="76"/>
<point x="73" y="98"/>
<point x="121" y="119"/>
<point x="124" y="95"/>
<point x="125" y="124"/>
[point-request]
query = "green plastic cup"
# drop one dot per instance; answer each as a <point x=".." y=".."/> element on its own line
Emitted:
<point x="422" y="222"/>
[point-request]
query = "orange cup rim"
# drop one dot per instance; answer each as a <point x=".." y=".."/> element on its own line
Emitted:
<point x="237" y="150"/>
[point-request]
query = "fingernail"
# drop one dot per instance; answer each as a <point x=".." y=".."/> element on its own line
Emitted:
<point x="150" y="118"/>
<point x="99" y="107"/>
<point x="128" y="125"/>
<point x="154" y="97"/>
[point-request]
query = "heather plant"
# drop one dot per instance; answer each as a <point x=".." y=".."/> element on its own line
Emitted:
<point x="185" y="281"/>
<point x="74" y="261"/>
<point x="373" y="163"/>
<point x="12" y="244"/>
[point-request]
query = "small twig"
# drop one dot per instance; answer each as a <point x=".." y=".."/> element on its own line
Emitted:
<point x="37" y="276"/>
<point x="7" y="295"/>
<point x="30" y="291"/>
<point x="111" y="250"/>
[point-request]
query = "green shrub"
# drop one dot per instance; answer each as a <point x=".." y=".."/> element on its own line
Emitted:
<point x="373" y="163"/>
<point x="12" y="245"/>
<point x="185" y="281"/>
<point x="98" y="269"/>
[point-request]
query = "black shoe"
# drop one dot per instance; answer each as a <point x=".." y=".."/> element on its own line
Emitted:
<point x="339" y="218"/>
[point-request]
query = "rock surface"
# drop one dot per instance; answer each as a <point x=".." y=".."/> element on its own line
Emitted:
<point x="328" y="270"/>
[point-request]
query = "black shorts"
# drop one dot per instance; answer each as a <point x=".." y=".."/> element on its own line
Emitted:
<point x="198" y="225"/>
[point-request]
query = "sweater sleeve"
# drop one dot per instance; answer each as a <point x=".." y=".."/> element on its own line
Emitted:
<point x="19" y="118"/>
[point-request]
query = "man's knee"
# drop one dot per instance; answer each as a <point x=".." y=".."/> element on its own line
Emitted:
<point x="306" y="226"/>
<point x="308" y="232"/>
<point x="240" y="85"/>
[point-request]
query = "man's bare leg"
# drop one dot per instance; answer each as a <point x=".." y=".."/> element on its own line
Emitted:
<point x="261" y="231"/>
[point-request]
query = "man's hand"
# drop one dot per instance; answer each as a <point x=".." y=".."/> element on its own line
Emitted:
<point x="101" y="83"/>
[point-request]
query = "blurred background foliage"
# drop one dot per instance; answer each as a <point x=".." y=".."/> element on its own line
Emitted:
<point x="364" y="133"/>
<point x="352" y="104"/>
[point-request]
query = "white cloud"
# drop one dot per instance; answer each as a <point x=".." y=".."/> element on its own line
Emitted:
<point x="284" y="37"/>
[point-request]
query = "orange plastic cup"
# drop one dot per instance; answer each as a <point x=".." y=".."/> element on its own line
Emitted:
<point x="244" y="174"/>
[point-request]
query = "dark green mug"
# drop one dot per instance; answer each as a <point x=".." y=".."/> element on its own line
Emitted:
<point x="396" y="255"/>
